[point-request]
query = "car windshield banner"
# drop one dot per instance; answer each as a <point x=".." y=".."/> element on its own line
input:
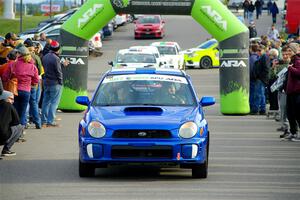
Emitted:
<point x="138" y="77"/>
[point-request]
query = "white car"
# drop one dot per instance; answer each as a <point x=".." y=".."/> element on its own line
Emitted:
<point x="126" y="58"/>
<point x="152" y="49"/>
<point x="121" y="19"/>
<point x="170" y="51"/>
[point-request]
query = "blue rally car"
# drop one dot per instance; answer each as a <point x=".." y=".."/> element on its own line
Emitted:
<point x="144" y="115"/>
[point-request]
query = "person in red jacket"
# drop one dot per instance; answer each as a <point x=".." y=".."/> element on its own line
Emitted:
<point x="293" y="93"/>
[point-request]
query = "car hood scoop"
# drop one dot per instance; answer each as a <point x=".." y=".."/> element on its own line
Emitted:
<point x="143" y="110"/>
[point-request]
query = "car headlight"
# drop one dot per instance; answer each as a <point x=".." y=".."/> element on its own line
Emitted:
<point x="188" y="130"/>
<point x="96" y="129"/>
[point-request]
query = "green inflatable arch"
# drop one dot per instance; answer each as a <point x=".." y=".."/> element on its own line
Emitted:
<point x="211" y="14"/>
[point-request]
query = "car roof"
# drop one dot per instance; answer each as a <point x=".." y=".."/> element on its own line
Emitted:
<point x="146" y="70"/>
<point x="135" y="51"/>
<point x="164" y="44"/>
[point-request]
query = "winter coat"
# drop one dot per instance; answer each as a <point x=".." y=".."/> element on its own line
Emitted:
<point x="293" y="82"/>
<point x="26" y="73"/>
<point x="8" y="118"/>
<point x="53" y="73"/>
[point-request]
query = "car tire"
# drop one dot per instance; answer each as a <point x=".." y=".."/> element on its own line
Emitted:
<point x="201" y="170"/>
<point x="205" y="63"/>
<point x="86" y="170"/>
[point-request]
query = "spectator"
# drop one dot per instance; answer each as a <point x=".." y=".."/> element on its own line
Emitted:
<point x="11" y="58"/>
<point x="269" y="5"/>
<point x="35" y="89"/>
<point x="254" y="49"/>
<point x="8" y="45"/>
<point x="252" y="30"/>
<point x="251" y="9"/>
<point x="274" y="11"/>
<point x="281" y="93"/>
<point x="10" y="127"/>
<point x="273" y="96"/>
<point x="261" y="67"/>
<point x="46" y="48"/>
<point x="293" y="93"/>
<point x="43" y="39"/>
<point x="27" y="74"/>
<point x="246" y="6"/>
<point x="273" y="33"/>
<point x="258" y="6"/>
<point x="52" y="81"/>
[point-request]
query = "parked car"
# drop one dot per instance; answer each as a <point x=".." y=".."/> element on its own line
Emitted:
<point x="58" y="18"/>
<point x="49" y="29"/>
<point x="205" y="56"/>
<point x="121" y="19"/>
<point x="2" y="39"/>
<point x="108" y="29"/>
<point x="171" y="53"/>
<point x="144" y="115"/>
<point x="149" y="26"/>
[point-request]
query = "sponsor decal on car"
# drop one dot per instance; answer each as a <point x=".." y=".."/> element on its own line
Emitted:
<point x="147" y="77"/>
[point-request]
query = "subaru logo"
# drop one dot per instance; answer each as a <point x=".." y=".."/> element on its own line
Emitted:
<point x="142" y="134"/>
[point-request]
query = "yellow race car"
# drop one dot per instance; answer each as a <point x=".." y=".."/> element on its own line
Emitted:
<point x="205" y="56"/>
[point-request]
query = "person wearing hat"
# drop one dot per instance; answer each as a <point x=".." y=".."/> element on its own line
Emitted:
<point x="52" y="82"/>
<point x="293" y="93"/>
<point x="35" y="92"/>
<point x="11" y="58"/>
<point x="27" y="74"/>
<point x="7" y="46"/>
<point x="10" y="127"/>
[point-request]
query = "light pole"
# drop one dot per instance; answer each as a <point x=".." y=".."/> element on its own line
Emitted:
<point x="50" y="8"/>
<point x="21" y="16"/>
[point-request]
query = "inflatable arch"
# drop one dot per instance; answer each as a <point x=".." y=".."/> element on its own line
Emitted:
<point x="211" y="14"/>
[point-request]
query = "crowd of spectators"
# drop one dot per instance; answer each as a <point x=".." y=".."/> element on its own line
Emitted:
<point x="36" y="66"/>
<point x="272" y="58"/>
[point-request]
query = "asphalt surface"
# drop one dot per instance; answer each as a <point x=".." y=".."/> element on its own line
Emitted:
<point x="247" y="159"/>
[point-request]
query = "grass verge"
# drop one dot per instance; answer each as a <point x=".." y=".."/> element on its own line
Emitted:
<point x="14" y="25"/>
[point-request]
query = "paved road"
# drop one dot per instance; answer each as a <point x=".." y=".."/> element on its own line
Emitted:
<point x="247" y="159"/>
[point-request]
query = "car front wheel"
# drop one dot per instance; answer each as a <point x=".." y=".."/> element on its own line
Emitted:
<point x="205" y="63"/>
<point x="86" y="170"/>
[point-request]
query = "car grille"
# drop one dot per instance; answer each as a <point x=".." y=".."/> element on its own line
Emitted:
<point x="141" y="152"/>
<point x="141" y="134"/>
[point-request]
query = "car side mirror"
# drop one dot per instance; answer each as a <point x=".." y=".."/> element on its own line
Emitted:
<point x="83" y="100"/>
<point x="207" y="101"/>
<point x="111" y="63"/>
<point x="163" y="21"/>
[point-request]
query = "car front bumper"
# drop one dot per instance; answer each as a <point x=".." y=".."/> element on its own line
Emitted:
<point x="112" y="151"/>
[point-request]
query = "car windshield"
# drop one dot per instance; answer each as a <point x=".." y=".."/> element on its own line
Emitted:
<point x="149" y="20"/>
<point x="136" y="58"/>
<point x="166" y="50"/>
<point x="207" y="44"/>
<point x="144" y="89"/>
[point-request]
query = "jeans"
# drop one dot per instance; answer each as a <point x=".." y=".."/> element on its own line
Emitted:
<point x="21" y="103"/>
<point x="252" y="95"/>
<point x="34" y="108"/>
<point x="16" y="132"/>
<point x="52" y="94"/>
<point x="282" y="108"/>
<point x="259" y="98"/>
<point x="250" y="16"/>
